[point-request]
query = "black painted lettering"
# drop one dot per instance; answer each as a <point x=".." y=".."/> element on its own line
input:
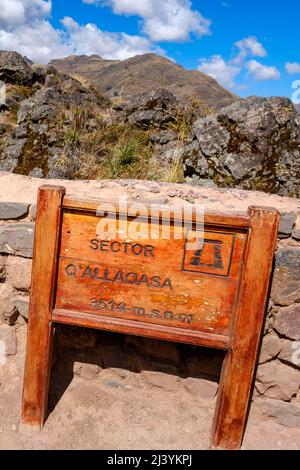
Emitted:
<point x="115" y="247"/>
<point x="155" y="281"/>
<point x="94" y="244"/>
<point x="87" y="273"/>
<point x="167" y="283"/>
<point x="119" y="277"/>
<point x="126" y="245"/>
<point x="144" y="280"/>
<point x="149" y="251"/>
<point x="131" y="278"/>
<point x="104" y="245"/>
<point x="137" y="249"/>
<point x="71" y="270"/>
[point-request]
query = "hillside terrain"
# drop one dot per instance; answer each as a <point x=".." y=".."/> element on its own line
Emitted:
<point x="54" y="125"/>
<point x="143" y="73"/>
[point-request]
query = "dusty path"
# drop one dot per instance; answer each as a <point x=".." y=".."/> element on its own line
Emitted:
<point x="96" y="408"/>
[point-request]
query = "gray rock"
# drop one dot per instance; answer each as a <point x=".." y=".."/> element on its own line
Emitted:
<point x="21" y="132"/>
<point x="8" y="311"/>
<point x="167" y="136"/>
<point x="211" y="135"/>
<point x="11" y="155"/>
<point x="39" y="128"/>
<point x="17" y="239"/>
<point x="287" y="322"/>
<point x="36" y="173"/>
<point x="252" y="144"/>
<point x="200" y="182"/>
<point x="153" y="99"/>
<point x="41" y="106"/>
<point x="287" y="414"/>
<point x="15" y="69"/>
<point x="290" y="353"/>
<point x="13" y="210"/>
<point x="22" y="305"/>
<point x="286" y="280"/>
<point x="271" y="347"/>
<point x="19" y="272"/>
<point x="8" y="338"/>
<point x="276" y="380"/>
<point x="287" y="222"/>
<point x="146" y="118"/>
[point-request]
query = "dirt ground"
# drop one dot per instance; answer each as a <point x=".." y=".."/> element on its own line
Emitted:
<point x="114" y="408"/>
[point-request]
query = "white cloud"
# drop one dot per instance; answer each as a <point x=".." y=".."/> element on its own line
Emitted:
<point x="89" y="39"/>
<point x="262" y="72"/>
<point x="13" y="12"/>
<point x="24" y="27"/>
<point x="292" y="67"/>
<point x="248" y="47"/>
<point x="163" y="20"/>
<point x="217" y="68"/>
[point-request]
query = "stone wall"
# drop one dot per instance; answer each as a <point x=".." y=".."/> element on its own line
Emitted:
<point x="278" y="377"/>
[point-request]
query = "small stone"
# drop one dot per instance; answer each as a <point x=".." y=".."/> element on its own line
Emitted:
<point x="276" y="380"/>
<point x="36" y="173"/>
<point x="22" y="305"/>
<point x="13" y="210"/>
<point x="161" y="380"/>
<point x="8" y="337"/>
<point x="271" y="347"/>
<point x="287" y="222"/>
<point x="17" y="239"/>
<point x="19" y="272"/>
<point x="8" y="311"/>
<point x="205" y="389"/>
<point x="115" y="384"/>
<point x="172" y="194"/>
<point x="286" y="280"/>
<point x="290" y="353"/>
<point x="86" y="371"/>
<point x="287" y="322"/>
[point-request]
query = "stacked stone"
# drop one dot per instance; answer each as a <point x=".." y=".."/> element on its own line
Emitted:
<point x="16" y="251"/>
<point x="278" y="375"/>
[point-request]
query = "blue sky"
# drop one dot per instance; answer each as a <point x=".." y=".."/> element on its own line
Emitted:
<point x="250" y="46"/>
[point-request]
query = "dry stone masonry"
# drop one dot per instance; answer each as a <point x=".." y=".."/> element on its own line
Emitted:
<point x="162" y="364"/>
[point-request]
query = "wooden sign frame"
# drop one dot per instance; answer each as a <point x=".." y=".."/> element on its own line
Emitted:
<point x="242" y="343"/>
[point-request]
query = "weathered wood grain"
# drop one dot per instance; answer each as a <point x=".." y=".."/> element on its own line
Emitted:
<point x="239" y="365"/>
<point x="39" y="340"/>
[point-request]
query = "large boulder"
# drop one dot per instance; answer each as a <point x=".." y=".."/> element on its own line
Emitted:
<point x="15" y="69"/>
<point x="252" y="144"/>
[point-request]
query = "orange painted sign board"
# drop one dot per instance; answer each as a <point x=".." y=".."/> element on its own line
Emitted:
<point x="204" y="285"/>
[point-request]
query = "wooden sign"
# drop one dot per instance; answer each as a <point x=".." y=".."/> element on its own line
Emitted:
<point x="205" y="286"/>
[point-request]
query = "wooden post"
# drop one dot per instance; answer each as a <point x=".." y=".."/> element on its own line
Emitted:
<point x="239" y="365"/>
<point x="38" y="355"/>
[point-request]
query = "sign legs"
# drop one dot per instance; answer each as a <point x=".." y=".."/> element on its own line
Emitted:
<point x="40" y="331"/>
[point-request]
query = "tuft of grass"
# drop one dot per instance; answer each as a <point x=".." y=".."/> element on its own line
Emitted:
<point x="175" y="173"/>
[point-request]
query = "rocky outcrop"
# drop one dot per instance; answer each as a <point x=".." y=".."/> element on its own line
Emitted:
<point x="252" y="144"/>
<point x="53" y="126"/>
